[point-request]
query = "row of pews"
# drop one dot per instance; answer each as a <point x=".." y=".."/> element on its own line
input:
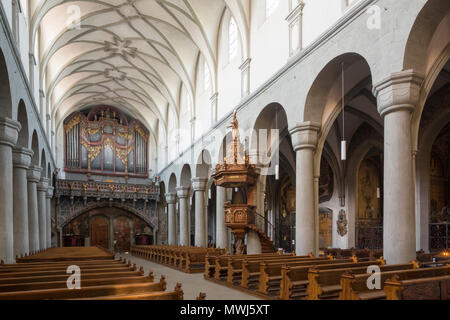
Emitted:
<point x="276" y="276"/>
<point x="186" y="259"/>
<point x="101" y="278"/>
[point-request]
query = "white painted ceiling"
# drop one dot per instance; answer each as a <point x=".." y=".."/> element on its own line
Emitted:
<point x="133" y="54"/>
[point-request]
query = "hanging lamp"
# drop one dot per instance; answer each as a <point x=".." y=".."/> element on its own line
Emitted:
<point x="277" y="166"/>
<point x="343" y="142"/>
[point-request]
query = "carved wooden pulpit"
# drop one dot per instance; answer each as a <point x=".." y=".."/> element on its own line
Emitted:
<point x="237" y="172"/>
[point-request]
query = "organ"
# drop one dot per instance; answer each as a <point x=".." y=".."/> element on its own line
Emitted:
<point x="105" y="141"/>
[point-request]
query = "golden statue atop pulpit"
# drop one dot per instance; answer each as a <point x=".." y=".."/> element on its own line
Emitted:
<point x="235" y="126"/>
<point x="234" y="149"/>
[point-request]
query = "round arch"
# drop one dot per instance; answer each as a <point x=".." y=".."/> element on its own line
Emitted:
<point x="24" y="136"/>
<point x="172" y="186"/>
<point x="35" y="147"/>
<point x="354" y="164"/>
<point x="100" y="205"/>
<point x="203" y="165"/>
<point x="186" y="176"/>
<point x="5" y="89"/>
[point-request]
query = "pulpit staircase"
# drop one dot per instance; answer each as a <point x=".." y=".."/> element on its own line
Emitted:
<point x="267" y="245"/>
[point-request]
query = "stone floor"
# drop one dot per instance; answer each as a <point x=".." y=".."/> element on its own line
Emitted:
<point x="192" y="284"/>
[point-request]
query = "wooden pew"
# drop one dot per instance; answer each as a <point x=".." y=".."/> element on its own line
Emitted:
<point x="62" y="263"/>
<point x="251" y="268"/>
<point x="224" y="262"/>
<point x="22" y="285"/>
<point x="270" y="276"/>
<point x="354" y="286"/>
<point x="210" y="266"/>
<point x="186" y="259"/>
<point x="63" y="268"/>
<point x="177" y="294"/>
<point x="43" y="272"/>
<point x="64" y="277"/>
<point x="195" y="262"/>
<point x="432" y="288"/>
<point x="45" y="277"/>
<point x="294" y="279"/>
<point x="326" y="284"/>
<point x="86" y="292"/>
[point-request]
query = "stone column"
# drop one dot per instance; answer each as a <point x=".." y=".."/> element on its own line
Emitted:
<point x="21" y="162"/>
<point x="199" y="187"/>
<point x="183" y="195"/>
<point x="304" y="141"/>
<point x="33" y="176"/>
<point x="397" y="97"/>
<point x="48" y="217"/>
<point x="171" y="200"/>
<point x="177" y="223"/>
<point x="9" y="132"/>
<point x="41" y="195"/>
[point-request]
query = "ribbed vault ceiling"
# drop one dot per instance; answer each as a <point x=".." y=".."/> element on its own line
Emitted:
<point x="133" y="54"/>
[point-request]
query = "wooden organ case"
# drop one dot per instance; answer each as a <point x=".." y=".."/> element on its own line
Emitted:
<point x="104" y="141"/>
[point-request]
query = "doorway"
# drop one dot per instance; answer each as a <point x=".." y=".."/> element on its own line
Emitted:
<point x="99" y="233"/>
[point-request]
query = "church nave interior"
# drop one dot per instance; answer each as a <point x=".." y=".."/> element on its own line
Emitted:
<point x="225" y="149"/>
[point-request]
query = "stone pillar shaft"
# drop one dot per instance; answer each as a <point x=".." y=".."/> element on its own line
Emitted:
<point x="221" y="228"/>
<point x="183" y="195"/>
<point x="21" y="161"/>
<point x="304" y="140"/>
<point x="397" y="97"/>
<point x="171" y="200"/>
<point x="42" y="210"/>
<point x="48" y="217"/>
<point x="33" y="176"/>
<point x="9" y="132"/>
<point x="199" y="187"/>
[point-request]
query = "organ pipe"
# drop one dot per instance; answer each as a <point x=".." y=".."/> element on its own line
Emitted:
<point x="118" y="137"/>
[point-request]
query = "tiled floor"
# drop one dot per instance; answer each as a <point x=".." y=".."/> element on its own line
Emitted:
<point x="192" y="284"/>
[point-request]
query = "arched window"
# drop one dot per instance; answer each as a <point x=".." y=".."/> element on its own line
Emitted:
<point x="271" y="6"/>
<point x="232" y="39"/>
<point x="207" y="76"/>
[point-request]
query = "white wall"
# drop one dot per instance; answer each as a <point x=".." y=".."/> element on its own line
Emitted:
<point x="229" y="75"/>
<point x="202" y="100"/>
<point x="269" y="44"/>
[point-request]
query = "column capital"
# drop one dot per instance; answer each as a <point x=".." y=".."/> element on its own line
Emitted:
<point x="183" y="192"/>
<point x="34" y="174"/>
<point x="49" y="194"/>
<point x="43" y="185"/>
<point x="399" y="91"/>
<point x="199" y="184"/>
<point x="171" y="198"/>
<point x="22" y="157"/>
<point x="304" y="136"/>
<point x="9" y="131"/>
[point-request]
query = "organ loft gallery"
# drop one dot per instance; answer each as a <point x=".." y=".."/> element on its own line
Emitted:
<point x="245" y="155"/>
